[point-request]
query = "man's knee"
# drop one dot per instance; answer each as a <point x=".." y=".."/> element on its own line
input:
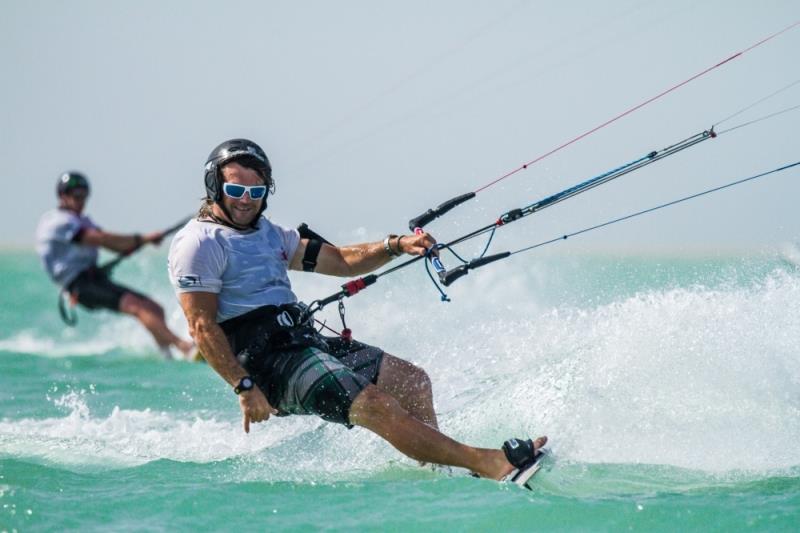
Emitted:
<point x="420" y="379"/>
<point x="372" y="403"/>
<point x="404" y="376"/>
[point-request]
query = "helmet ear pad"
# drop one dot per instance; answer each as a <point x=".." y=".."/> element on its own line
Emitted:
<point x="213" y="182"/>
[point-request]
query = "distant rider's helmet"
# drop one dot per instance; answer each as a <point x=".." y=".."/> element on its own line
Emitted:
<point x="71" y="180"/>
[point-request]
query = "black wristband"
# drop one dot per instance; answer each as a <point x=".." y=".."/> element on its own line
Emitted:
<point x="245" y="384"/>
<point x="137" y="240"/>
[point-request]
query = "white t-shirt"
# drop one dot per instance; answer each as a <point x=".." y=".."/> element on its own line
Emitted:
<point x="62" y="258"/>
<point x="246" y="269"/>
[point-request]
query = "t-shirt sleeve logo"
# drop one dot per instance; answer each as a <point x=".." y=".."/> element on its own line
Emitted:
<point x="188" y="281"/>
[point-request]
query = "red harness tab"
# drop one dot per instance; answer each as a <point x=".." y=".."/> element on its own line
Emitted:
<point x="353" y="287"/>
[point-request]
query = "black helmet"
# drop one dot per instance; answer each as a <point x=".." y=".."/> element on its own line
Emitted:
<point x="229" y="151"/>
<point x="71" y="180"/>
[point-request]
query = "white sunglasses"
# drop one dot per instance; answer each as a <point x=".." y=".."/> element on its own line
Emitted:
<point x="234" y="190"/>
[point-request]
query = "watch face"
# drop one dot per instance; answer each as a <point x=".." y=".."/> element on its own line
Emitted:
<point x="245" y="384"/>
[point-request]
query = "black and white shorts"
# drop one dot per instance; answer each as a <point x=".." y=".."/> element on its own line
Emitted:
<point x="95" y="290"/>
<point x="309" y="375"/>
<point x="310" y="381"/>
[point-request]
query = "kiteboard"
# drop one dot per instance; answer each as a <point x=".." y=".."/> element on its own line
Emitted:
<point x="523" y="478"/>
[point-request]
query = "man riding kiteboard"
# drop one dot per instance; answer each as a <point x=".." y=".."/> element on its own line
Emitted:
<point x="68" y="241"/>
<point x="229" y="267"/>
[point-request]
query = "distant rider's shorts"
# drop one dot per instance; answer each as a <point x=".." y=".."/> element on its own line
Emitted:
<point x="95" y="290"/>
<point x="300" y="371"/>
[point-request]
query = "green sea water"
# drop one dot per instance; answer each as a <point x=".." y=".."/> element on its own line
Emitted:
<point x="669" y="387"/>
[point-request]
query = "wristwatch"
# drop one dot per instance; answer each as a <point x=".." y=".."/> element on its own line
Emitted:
<point x="245" y="384"/>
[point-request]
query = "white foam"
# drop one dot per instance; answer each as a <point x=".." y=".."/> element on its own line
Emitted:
<point x="32" y="343"/>
<point x="128" y="437"/>
<point x="696" y="378"/>
<point x="790" y="252"/>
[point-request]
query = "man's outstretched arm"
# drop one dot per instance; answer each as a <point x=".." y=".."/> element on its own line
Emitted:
<point x="358" y="259"/>
<point x="117" y="242"/>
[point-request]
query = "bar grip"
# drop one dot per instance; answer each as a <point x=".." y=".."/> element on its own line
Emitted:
<point x="447" y="278"/>
<point x="432" y="214"/>
<point x="475" y="263"/>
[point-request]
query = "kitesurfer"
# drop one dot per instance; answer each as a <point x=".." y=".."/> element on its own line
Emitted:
<point x="229" y="267"/>
<point x="68" y="241"/>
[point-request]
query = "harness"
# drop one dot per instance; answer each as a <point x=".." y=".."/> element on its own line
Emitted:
<point x="270" y="328"/>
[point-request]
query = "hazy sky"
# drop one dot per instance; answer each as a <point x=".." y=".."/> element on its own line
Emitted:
<point x="373" y="111"/>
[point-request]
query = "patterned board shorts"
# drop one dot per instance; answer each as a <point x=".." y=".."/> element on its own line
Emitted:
<point x="300" y="371"/>
<point x="323" y="383"/>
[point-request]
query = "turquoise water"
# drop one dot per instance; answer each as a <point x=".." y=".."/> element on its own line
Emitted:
<point x="669" y="387"/>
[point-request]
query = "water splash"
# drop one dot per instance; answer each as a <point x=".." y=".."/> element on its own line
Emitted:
<point x="697" y="378"/>
<point x="127" y="438"/>
<point x="702" y="376"/>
